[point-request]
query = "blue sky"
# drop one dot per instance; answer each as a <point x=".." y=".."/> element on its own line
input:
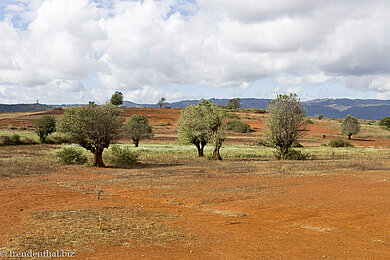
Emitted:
<point x="74" y="51"/>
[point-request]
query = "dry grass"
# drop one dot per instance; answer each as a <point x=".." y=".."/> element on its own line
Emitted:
<point x="225" y="213"/>
<point x="19" y="161"/>
<point x="92" y="228"/>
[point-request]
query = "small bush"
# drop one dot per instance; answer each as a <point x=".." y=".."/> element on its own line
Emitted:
<point x="167" y="107"/>
<point x="122" y="156"/>
<point x="237" y="126"/>
<point x="70" y="155"/>
<point x="57" y="108"/>
<point x="320" y="117"/>
<point x="296" y="145"/>
<point x="296" y="155"/>
<point x="340" y="143"/>
<point x="262" y="142"/>
<point x="309" y="121"/>
<point x="58" y="139"/>
<point x="15" y="139"/>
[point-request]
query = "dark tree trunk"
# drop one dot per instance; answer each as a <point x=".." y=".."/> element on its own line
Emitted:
<point x="99" y="157"/>
<point x="202" y="145"/>
<point x="349" y="136"/>
<point x="200" y="149"/>
<point x="216" y="155"/>
<point x="136" y="142"/>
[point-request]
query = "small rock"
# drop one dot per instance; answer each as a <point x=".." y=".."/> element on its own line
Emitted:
<point x="191" y="252"/>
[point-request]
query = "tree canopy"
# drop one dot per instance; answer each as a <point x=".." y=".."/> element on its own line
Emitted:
<point x="116" y="98"/>
<point x="93" y="127"/>
<point x="350" y="126"/>
<point x="200" y="124"/>
<point x="286" y="123"/>
<point x="234" y="103"/>
<point x="161" y="102"/>
<point x="137" y="128"/>
<point x="45" y="126"/>
<point x="385" y="122"/>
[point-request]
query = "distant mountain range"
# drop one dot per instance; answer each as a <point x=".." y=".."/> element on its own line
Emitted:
<point x="371" y="109"/>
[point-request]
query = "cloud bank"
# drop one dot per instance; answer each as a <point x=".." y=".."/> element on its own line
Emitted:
<point x="72" y="51"/>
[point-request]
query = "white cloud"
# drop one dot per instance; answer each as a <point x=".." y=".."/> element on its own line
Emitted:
<point x="139" y="47"/>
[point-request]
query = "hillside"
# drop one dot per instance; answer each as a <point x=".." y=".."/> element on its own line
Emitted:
<point x="370" y="109"/>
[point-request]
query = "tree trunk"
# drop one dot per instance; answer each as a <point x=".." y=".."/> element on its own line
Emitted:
<point x="99" y="157"/>
<point x="136" y="142"/>
<point x="216" y="155"/>
<point x="349" y="136"/>
<point x="200" y="149"/>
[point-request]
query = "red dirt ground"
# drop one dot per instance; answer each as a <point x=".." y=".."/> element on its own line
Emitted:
<point x="306" y="217"/>
<point x="341" y="215"/>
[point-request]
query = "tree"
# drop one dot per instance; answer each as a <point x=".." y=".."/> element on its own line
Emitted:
<point x="234" y="103"/>
<point x="286" y="123"/>
<point x="137" y="128"/>
<point x="350" y="126"/>
<point x="192" y="128"/>
<point x="385" y="122"/>
<point x="93" y="127"/>
<point x="45" y="126"/>
<point x="117" y="98"/>
<point x="161" y="102"/>
<point x="201" y="124"/>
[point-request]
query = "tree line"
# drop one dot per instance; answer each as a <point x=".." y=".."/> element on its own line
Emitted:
<point x="94" y="127"/>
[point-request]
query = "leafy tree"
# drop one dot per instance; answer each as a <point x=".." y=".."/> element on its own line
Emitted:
<point x="137" y="128"/>
<point x="234" y="103"/>
<point x="350" y="126"/>
<point x="45" y="126"/>
<point x="161" y="102"/>
<point x="93" y="127"/>
<point x="385" y="122"/>
<point x="192" y="128"/>
<point x="117" y="98"/>
<point x="286" y="123"/>
<point x="200" y="124"/>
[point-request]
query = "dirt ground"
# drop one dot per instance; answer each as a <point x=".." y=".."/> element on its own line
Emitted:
<point x="200" y="209"/>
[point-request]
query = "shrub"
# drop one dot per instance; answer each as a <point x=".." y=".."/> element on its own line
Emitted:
<point x="385" y="122"/>
<point x="237" y="126"/>
<point x="262" y="142"/>
<point x="321" y="116"/>
<point x="309" y="121"/>
<point x="57" y="138"/>
<point x="296" y="145"/>
<point x="340" y="143"/>
<point x="167" y="107"/>
<point x="71" y="155"/>
<point x="57" y="108"/>
<point x="44" y="127"/>
<point x="122" y="156"/>
<point x="15" y="139"/>
<point x="293" y="154"/>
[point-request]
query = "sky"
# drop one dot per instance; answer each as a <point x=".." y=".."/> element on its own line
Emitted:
<point x="75" y="51"/>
